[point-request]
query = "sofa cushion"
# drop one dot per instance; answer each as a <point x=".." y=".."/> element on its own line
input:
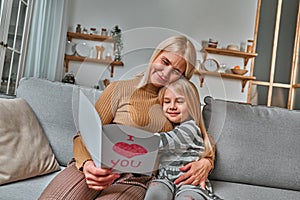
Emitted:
<point x="56" y="107"/>
<point x="52" y="104"/>
<point x="238" y="191"/>
<point x="24" y="149"/>
<point x="255" y="144"/>
<point x="28" y="189"/>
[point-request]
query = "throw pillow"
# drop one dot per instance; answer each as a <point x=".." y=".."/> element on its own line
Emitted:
<point x="24" y="149"/>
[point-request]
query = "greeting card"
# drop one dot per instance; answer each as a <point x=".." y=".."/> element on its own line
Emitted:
<point x="120" y="147"/>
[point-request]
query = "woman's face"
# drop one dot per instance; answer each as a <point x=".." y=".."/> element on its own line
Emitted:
<point x="175" y="106"/>
<point x="167" y="68"/>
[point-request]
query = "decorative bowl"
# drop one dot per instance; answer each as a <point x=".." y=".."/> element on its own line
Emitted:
<point x="233" y="47"/>
<point x="239" y="71"/>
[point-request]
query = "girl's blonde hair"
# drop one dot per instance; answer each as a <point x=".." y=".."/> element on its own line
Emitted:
<point x="190" y="92"/>
<point x="180" y="45"/>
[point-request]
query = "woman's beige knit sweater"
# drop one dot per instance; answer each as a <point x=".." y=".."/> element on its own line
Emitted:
<point x="123" y="103"/>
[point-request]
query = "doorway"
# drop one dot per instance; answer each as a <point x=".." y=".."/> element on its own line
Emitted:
<point x="14" y="26"/>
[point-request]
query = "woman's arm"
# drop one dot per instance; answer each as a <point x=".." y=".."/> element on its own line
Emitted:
<point x="105" y="111"/>
<point x="98" y="178"/>
<point x="196" y="172"/>
<point x="80" y="152"/>
<point x="107" y="103"/>
<point x="95" y="177"/>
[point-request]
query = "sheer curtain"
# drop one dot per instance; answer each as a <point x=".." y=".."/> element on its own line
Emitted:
<point x="45" y="56"/>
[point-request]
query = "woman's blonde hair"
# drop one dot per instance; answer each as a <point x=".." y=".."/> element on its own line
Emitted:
<point x="190" y="92"/>
<point x="180" y="45"/>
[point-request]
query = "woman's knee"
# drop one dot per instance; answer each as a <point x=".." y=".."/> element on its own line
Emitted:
<point x="122" y="191"/>
<point x="68" y="184"/>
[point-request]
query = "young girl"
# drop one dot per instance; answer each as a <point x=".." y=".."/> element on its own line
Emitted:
<point x="181" y="105"/>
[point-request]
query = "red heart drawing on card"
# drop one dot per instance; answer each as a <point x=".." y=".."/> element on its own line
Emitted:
<point x="129" y="150"/>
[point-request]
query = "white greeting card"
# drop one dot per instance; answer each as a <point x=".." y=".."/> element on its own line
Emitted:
<point x="120" y="147"/>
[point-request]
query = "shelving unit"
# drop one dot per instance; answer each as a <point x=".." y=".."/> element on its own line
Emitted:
<point x="225" y="52"/>
<point x="244" y="79"/>
<point x="99" y="38"/>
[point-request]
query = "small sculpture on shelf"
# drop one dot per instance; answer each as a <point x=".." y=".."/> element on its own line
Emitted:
<point x="104" y="32"/>
<point x="85" y="31"/>
<point x="108" y="58"/>
<point x="118" y="43"/>
<point x="69" y="78"/>
<point x="100" y="50"/>
<point x="78" y="28"/>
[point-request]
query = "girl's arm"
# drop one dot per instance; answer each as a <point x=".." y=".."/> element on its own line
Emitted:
<point x="187" y="135"/>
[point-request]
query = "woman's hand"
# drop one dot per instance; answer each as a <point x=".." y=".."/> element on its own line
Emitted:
<point x="98" y="178"/>
<point x="196" y="173"/>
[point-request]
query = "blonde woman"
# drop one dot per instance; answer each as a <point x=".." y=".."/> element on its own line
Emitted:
<point x="182" y="145"/>
<point x="133" y="103"/>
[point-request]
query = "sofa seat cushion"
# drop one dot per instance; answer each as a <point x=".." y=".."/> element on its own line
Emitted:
<point x="236" y="191"/>
<point x="28" y="189"/>
<point x="256" y="145"/>
<point x="24" y="149"/>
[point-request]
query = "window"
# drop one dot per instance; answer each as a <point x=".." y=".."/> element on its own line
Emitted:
<point x="277" y="63"/>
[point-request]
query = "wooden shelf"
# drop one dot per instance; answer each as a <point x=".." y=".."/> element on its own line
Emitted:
<point x="92" y="37"/>
<point x="244" y="79"/>
<point x="93" y="60"/>
<point x="225" y="52"/>
<point x="99" y="38"/>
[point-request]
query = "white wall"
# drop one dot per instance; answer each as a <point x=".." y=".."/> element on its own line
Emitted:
<point x="145" y="23"/>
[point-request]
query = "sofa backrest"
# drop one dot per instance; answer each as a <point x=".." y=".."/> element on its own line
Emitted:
<point x="56" y="107"/>
<point x="255" y="144"/>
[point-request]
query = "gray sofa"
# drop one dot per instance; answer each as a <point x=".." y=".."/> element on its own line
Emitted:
<point x="257" y="155"/>
<point x="258" y="150"/>
<point x="55" y="105"/>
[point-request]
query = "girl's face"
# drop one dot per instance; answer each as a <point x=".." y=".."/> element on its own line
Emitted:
<point x="175" y="106"/>
<point x="167" y="68"/>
